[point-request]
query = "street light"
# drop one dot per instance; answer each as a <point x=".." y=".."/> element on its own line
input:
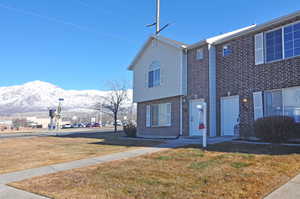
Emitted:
<point x="58" y="115"/>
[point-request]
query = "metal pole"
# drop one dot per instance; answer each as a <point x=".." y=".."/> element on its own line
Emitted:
<point x="204" y="139"/>
<point x="157" y="16"/>
<point x="101" y="124"/>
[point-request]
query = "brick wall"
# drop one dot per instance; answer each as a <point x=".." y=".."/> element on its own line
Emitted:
<point x="173" y="130"/>
<point x="198" y="83"/>
<point x="238" y="74"/>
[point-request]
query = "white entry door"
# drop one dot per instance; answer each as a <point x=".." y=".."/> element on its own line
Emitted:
<point x="230" y="111"/>
<point x="197" y="117"/>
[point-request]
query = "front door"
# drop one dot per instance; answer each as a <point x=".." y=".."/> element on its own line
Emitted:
<point x="197" y="118"/>
<point x="229" y="114"/>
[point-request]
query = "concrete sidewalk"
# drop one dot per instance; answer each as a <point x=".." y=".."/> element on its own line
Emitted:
<point x="7" y="192"/>
<point x="290" y="190"/>
<point x="12" y="193"/>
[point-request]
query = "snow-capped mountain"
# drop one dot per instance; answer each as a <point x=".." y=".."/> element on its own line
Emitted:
<point x="38" y="96"/>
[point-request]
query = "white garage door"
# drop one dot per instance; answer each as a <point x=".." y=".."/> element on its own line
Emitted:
<point x="229" y="114"/>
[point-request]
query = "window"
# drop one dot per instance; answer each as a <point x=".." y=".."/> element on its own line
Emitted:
<point x="160" y="115"/>
<point x="273" y="103"/>
<point x="291" y="99"/>
<point x="154" y="114"/>
<point x="274" y="45"/>
<point x="199" y="54"/>
<point x="279" y="44"/>
<point x="154" y="74"/>
<point x="226" y="50"/>
<point x="283" y="102"/>
<point x="292" y="40"/>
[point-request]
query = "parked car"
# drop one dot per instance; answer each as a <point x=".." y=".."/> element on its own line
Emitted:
<point x="89" y="125"/>
<point x="96" y="125"/>
<point x="75" y="126"/>
<point x="67" y="126"/>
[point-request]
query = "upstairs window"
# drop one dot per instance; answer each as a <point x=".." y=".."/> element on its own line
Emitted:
<point x="274" y="45"/>
<point x="226" y="50"/>
<point x="154" y="74"/>
<point x="278" y="44"/>
<point x="199" y="54"/>
<point x="292" y="40"/>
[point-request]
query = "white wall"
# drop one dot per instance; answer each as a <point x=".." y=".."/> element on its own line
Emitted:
<point x="171" y="61"/>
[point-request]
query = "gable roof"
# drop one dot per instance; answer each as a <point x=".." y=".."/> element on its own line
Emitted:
<point x="165" y="40"/>
<point x="262" y="26"/>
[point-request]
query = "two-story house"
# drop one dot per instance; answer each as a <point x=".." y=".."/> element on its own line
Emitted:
<point x="159" y="84"/>
<point x="217" y="83"/>
<point x="174" y="99"/>
<point x="258" y="74"/>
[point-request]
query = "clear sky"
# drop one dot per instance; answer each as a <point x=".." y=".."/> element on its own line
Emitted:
<point x="81" y="44"/>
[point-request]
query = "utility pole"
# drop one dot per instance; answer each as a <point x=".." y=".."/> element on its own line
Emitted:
<point x="157" y="17"/>
<point x="157" y="21"/>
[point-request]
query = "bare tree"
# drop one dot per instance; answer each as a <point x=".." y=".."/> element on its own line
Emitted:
<point x="112" y="103"/>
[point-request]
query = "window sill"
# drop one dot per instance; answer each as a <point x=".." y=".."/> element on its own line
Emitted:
<point x="278" y="60"/>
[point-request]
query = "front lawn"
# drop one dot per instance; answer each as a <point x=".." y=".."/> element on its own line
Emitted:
<point x="182" y="173"/>
<point x="25" y="153"/>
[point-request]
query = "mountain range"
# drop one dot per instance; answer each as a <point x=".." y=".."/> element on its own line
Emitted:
<point x="39" y="96"/>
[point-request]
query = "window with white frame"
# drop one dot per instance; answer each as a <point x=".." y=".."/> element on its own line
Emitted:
<point x="160" y="115"/>
<point x="278" y="44"/>
<point x="274" y="45"/>
<point x="199" y="53"/>
<point x="291" y="101"/>
<point x="292" y="40"/>
<point x="273" y="103"/>
<point x="227" y="50"/>
<point x="283" y="102"/>
<point x="154" y="74"/>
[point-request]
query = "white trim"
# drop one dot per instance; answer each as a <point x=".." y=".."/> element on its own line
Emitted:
<point x="224" y="98"/>
<point x="261" y="26"/>
<point x="148" y="41"/>
<point x="212" y="91"/>
<point x="181" y="122"/>
<point x="148" y="116"/>
<point x="283" y="45"/>
<point x="201" y="100"/>
<point x="258" y="106"/>
<point x="259" y="45"/>
<point x="265" y="45"/>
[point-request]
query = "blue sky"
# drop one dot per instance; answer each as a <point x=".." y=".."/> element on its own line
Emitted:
<point x="82" y="44"/>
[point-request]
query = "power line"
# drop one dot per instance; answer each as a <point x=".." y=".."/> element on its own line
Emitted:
<point x="57" y="20"/>
<point x="90" y="6"/>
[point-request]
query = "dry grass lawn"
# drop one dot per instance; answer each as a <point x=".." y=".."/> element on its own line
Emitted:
<point x="183" y="173"/>
<point x="24" y="153"/>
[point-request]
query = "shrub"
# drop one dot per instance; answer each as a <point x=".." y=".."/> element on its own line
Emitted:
<point x="130" y="130"/>
<point x="274" y="128"/>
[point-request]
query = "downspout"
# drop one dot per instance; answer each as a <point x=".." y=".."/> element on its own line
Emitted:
<point x="212" y="91"/>
<point x="180" y="131"/>
<point x="181" y="90"/>
<point x="183" y="71"/>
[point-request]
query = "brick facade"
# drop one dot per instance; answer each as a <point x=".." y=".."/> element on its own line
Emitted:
<point x="237" y="74"/>
<point x="172" y="131"/>
<point x="198" y="83"/>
